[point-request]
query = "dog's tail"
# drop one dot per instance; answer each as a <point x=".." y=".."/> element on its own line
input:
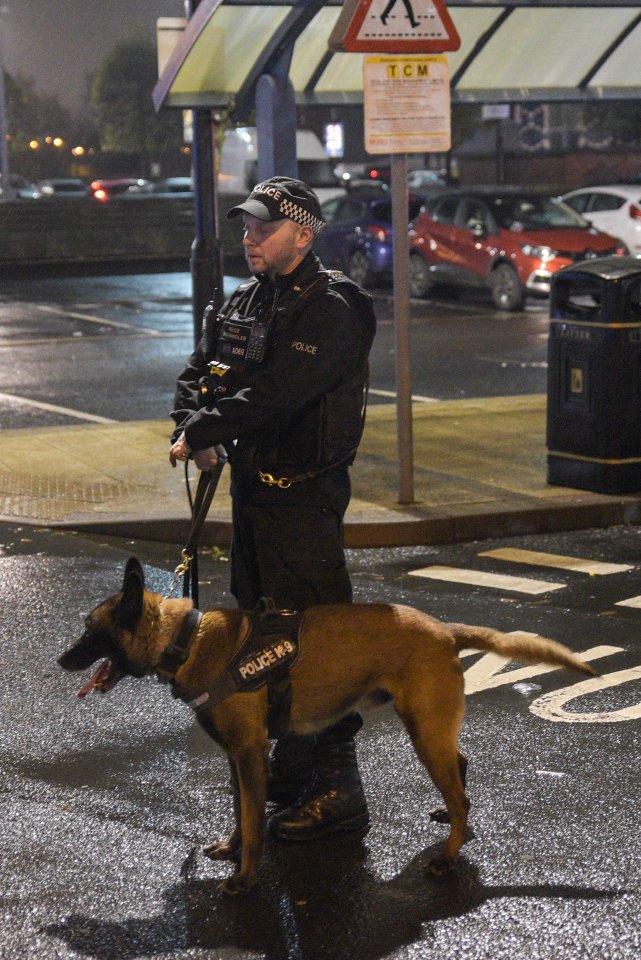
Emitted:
<point x="518" y="646"/>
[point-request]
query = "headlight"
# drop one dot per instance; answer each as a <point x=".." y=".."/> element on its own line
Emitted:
<point x="539" y="252"/>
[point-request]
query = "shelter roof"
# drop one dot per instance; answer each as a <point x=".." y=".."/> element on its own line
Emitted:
<point x="511" y="51"/>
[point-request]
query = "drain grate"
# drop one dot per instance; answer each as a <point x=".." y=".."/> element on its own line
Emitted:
<point x="55" y="498"/>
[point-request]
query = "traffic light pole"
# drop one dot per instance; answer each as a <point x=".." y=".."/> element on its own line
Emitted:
<point x="206" y="262"/>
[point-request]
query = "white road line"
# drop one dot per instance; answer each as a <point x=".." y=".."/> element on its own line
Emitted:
<point x="392" y="395"/>
<point x="52" y="408"/>
<point x="39" y="341"/>
<point x="477" y="578"/>
<point x="630" y="602"/>
<point x="101" y="321"/>
<point x="537" y="559"/>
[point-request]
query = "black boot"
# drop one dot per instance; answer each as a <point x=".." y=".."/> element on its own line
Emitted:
<point x="335" y="800"/>
<point x="291" y="768"/>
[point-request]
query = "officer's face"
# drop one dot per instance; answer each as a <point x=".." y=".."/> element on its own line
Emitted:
<point x="275" y="247"/>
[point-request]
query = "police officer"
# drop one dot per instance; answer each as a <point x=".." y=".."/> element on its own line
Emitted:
<point x="278" y="380"/>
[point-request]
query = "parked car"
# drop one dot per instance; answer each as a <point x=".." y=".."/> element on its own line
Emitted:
<point x="615" y="208"/>
<point x="421" y="181"/>
<point x="119" y="187"/>
<point x="19" y="188"/>
<point x="174" y="187"/>
<point x="358" y="235"/>
<point x="509" y="241"/>
<point x="63" y="187"/>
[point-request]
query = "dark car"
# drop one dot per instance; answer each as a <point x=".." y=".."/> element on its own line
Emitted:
<point x="63" y="187"/>
<point x="510" y="241"/>
<point x="358" y="235"/>
<point x="174" y="187"/>
<point x="120" y="188"/>
<point x="20" y="188"/>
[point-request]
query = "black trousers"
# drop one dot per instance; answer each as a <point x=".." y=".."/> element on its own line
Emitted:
<point x="293" y="554"/>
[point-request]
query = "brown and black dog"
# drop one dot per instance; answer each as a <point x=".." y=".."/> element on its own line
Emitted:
<point x="351" y="657"/>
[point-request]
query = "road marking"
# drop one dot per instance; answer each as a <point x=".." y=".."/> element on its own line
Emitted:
<point x="39" y="341"/>
<point x="53" y="408"/>
<point x="488" y="673"/>
<point x="477" y="578"/>
<point x="392" y="395"/>
<point x="522" y="364"/>
<point x="576" y="564"/>
<point x="551" y="706"/>
<point x="631" y="602"/>
<point x="100" y="321"/>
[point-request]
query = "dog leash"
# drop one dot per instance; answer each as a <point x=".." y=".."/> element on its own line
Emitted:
<point x="188" y="567"/>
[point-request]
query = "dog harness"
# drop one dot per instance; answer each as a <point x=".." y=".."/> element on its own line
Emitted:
<point x="269" y="643"/>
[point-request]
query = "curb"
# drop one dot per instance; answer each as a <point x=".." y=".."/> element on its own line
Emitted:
<point x="424" y="531"/>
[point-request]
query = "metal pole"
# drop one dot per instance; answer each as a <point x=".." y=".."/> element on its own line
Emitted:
<point x="4" y="149"/>
<point x="500" y="154"/>
<point x="206" y="262"/>
<point x="401" y="328"/>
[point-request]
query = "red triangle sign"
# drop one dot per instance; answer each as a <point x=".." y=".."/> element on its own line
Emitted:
<point x="394" y="26"/>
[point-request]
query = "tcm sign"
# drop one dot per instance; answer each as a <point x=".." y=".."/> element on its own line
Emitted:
<point x="407" y="104"/>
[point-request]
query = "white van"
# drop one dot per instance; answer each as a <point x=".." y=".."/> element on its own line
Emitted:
<point x="239" y="160"/>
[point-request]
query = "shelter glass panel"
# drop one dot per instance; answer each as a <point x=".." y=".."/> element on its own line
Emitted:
<point x="552" y="47"/>
<point x="225" y="52"/>
<point x="343" y="73"/>
<point x="311" y="47"/>
<point x="622" y="68"/>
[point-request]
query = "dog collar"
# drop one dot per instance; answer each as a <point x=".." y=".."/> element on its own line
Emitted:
<point x="177" y="652"/>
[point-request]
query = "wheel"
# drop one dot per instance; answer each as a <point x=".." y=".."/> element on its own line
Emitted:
<point x="358" y="268"/>
<point x="506" y="289"/>
<point x="419" y="278"/>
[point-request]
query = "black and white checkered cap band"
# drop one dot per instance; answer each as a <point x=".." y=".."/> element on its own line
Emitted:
<point x="301" y="216"/>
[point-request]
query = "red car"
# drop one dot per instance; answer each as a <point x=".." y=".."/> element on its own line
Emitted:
<point x="506" y="240"/>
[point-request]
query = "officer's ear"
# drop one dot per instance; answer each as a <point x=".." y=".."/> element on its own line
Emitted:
<point x="304" y="238"/>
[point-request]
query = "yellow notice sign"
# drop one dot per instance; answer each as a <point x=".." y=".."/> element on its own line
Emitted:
<point x="407" y="104"/>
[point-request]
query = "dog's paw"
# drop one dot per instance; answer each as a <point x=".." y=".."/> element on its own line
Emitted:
<point x="221" y="850"/>
<point x="441" y="865"/>
<point x="232" y="886"/>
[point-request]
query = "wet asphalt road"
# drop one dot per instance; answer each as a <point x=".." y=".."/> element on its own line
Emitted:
<point x="113" y="346"/>
<point x="107" y="802"/>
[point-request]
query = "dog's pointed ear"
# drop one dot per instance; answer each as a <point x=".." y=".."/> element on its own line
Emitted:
<point x="129" y="609"/>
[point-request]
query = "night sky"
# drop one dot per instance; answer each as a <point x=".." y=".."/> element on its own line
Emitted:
<point x="58" y="42"/>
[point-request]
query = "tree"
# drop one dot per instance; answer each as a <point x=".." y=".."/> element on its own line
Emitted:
<point x="122" y="99"/>
<point x="32" y="117"/>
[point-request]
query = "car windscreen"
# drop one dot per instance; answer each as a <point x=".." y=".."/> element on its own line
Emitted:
<point x="520" y="213"/>
<point x="382" y="210"/>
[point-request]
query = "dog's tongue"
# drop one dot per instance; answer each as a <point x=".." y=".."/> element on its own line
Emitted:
<point x="105" y="677"/>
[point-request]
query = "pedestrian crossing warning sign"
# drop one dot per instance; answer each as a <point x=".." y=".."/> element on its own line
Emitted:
<point x="394" y="26"/>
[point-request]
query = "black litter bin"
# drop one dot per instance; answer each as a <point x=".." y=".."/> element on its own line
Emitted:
<point x="594" y="376"/>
